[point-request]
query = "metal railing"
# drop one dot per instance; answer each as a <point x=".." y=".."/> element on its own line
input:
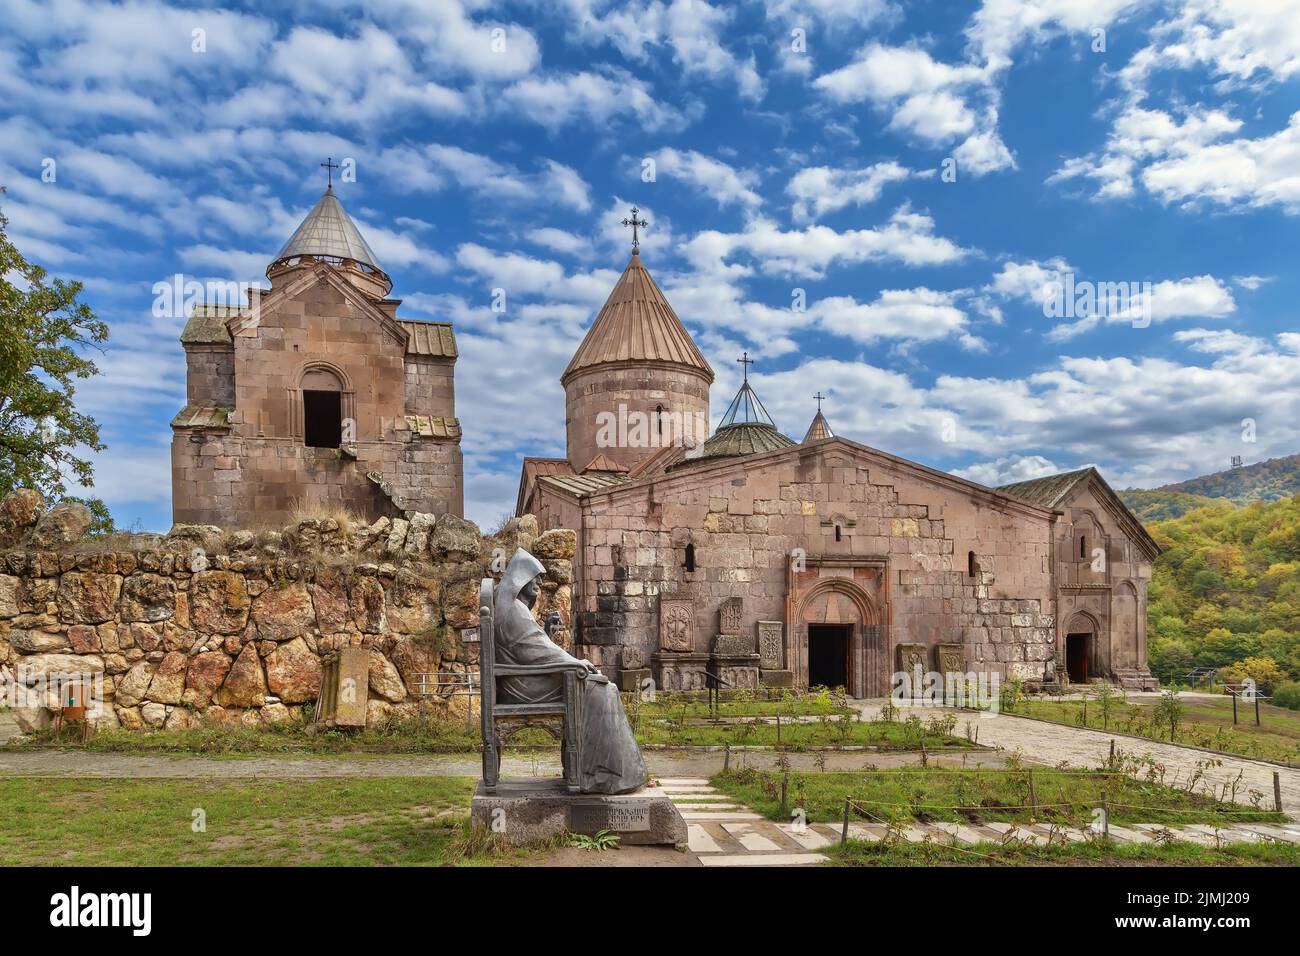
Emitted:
<point x="444" y="685"/>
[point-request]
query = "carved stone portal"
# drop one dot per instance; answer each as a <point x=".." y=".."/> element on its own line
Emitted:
<point x="771" y="645"/>
<point x="676" y="624"/>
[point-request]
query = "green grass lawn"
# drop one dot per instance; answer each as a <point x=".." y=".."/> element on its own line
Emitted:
<point x="931" y="794"/>
<point x="864" y="853"/>
<point x="380" y="820"/>
<point x="817" y="719"/>
<point x="1206" y="722"/>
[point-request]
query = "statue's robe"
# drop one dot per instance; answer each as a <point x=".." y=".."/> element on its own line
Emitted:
<point x="611" y="759"/>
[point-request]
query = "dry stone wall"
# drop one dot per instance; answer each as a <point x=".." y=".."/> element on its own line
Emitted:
<point x="212" y="626"/>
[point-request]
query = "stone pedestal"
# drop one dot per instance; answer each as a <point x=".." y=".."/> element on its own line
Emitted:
<point x="629" y="680"/>
<point x="681" y="671"/>
<point x="528" y="811"/>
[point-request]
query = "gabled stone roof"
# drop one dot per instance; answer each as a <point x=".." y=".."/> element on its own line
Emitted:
<point x="207" y="325"/>
<point x="637" y="325"/>
<point x="1049" y="491"/>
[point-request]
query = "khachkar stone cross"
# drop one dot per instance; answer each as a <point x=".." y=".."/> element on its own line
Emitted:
<point x="634" y="222"/>
<point x="330" y="166"/>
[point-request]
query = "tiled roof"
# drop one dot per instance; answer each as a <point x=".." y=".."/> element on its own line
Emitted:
<point x="579" y="485"/>
<point x="1046" y="492"/>
<point x="637" y="324"/>
<point x="429" y="338"/>
<point x="329" y="231"/>
<point x="200" y="416"/>
<point x="432" y="427"/>
<point x="659" y="462"/>
<point x="603" y="462"/>
<point x="534" y="468"/>
<point x="819" y="429"/>
<point x="207" y="325"/>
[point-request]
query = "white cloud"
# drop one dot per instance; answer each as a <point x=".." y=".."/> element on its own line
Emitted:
<point x="820" y="190"/>
<point x="1004" y="471"/>
<point x="597" y="97"/>
<point x="907" y="237"/>
<point x="727" y="186"/>
<point x="934" y="102"/>
<point x="919" y="315"/>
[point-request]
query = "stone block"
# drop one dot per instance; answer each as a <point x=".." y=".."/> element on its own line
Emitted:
<point x="629" y="681"/>
<point x="776" y="678"/>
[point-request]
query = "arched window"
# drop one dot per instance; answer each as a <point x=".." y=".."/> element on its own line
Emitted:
<point x="689" y="563"/>
<point x="837" y="532"/>
<point x="970" y="564"/>
<point x="322" y="409"/>
<point x="1083" y="547"/>
<point x="659" y="421"/>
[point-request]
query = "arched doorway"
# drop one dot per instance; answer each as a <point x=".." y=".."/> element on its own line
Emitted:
<point x="838" y="635"/>
<point x="1080" y="648"/>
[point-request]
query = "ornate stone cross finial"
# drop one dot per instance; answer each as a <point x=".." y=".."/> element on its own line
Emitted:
<point x="634" y="222"/>
<point x="745" y="362"/>
<point x="330" y="166"/>
<point x="820" y="397"/>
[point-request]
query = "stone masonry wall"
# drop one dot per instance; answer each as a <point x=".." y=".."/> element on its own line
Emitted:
<point x="205" y="626"/>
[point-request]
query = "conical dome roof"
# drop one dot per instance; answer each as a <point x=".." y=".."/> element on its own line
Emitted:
<point x="636" y="324"/>
<point x="819" y="429"/>
<point x="328" y="231"/>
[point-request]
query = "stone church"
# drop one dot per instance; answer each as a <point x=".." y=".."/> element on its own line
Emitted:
<point x="821" y="562"/>
<point x="316" y="394"/>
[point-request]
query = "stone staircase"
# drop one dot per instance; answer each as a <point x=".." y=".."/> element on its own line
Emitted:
<point x="722" y="832"/>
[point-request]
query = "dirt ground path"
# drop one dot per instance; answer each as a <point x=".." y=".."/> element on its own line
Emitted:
<point x="1041" y="742"/>
<point x="80" y="763"/>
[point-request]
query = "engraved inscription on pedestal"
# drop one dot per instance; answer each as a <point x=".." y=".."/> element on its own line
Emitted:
<point x="621" y="816"/>
<point x="729" y="616"/>
<point x="676" y="624"/>
<point x="771" y="645"/>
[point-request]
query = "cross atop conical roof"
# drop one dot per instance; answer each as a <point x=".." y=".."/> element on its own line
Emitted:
<point x="637" y="325"/>
<point x="329" y="232"/>
<point x="819" y="429"/>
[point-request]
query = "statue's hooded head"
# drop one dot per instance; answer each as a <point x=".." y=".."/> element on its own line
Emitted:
<point x="521" y="580"/>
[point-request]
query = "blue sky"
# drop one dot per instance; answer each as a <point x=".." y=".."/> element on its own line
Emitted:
<point x="795" y="145"/>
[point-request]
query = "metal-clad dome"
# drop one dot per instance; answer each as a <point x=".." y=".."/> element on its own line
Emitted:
<point x="329" y="232"/>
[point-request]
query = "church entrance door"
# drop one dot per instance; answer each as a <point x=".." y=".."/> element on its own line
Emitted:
<point x="828" y="655"/>
<point x="1078" y="648"/>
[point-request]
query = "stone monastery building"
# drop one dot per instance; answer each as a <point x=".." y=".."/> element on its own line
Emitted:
<point x="317" y="393"/>
<point x="764" y="560"/>
<point x="743" y="553"/>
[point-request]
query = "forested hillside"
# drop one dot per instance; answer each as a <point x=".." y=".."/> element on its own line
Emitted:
<point x="1227" y="589"/>
<point x="1268" y="480"/>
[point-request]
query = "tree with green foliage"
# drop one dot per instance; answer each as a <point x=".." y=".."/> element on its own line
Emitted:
<point x="44" y="332"/>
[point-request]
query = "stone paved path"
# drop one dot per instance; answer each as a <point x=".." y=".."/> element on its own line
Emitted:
<point x="1049" y="744"/>
<point x="723" y="832"/>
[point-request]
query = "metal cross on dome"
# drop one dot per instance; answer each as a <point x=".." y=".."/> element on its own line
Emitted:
<point x="634" y="222"/>
<point x="745" y="362"/>
<point x="819" y="396"/>
<point x="330" y="166"/>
